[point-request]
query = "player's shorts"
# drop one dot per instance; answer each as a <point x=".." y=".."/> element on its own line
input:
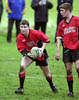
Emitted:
<point x="45" y="61"/>
<point x="70" y="55"/>
<point x="42" y="63"/>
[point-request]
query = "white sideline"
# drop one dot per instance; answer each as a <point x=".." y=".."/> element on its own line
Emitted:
<point x="40" y="77"/>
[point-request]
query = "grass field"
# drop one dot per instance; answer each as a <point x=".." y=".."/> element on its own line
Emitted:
<point x="36" y="87"/>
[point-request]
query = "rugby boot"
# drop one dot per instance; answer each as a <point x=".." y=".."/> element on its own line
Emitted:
<point x="19" y="91"/>
<point x="54" y="89"/>
<point x="70" y="94"/>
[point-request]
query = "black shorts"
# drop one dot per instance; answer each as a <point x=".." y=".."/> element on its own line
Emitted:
<point x="70" y="55"/>
<point x="42" y="63"/>
<point x="45" y="61"/>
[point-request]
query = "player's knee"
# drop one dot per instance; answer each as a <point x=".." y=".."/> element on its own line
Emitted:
<point x="48" y="78"/>
<point x="22" y="69"/>
<point x="69" y="72"/>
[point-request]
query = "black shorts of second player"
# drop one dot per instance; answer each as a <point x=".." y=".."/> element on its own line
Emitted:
<point x="70" y="55"/>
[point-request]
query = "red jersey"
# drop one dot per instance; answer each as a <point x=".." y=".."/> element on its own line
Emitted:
<point x="24" y="43"/>
<point x="69" y="33"/>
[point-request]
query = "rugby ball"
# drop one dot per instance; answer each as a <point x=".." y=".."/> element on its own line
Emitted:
<point x="36" y="52"/>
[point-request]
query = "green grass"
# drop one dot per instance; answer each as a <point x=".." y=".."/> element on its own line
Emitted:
<point x="36" y="87"/>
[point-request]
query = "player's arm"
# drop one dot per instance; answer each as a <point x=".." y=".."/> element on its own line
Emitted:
<point x="21" y="46"/>
<point x="24" y="52"/>
<point x="43" y="46"/>
<point x="58" y="43"/>
<point x="28" y="54"/>
<point x="59" y="38"/>
<point x="45" y="41"/>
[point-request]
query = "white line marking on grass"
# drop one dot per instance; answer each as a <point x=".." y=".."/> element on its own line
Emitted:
<point x="10" y="59"/>
<point x="41" y="77"/>
<point x="31" y="77"/>
<point x="18" y="59"/>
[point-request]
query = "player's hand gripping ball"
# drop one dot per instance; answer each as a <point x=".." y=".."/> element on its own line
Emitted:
<point x="36" y="52"/>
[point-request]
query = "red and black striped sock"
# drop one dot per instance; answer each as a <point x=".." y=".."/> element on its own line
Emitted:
<point x="49" y="79"/>
<point x="21" y="79"/>
<point x="70" y="83"/>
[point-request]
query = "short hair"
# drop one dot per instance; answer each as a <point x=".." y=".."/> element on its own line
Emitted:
<point x="24" y="22"/>
<point x="66" y="6"/>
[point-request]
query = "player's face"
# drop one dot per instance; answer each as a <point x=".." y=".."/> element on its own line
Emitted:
<point x="64" y="13"/>
<point x="24" y="29"/>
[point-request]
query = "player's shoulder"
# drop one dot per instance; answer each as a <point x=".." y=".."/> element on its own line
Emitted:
<point x="61" y="23"/>
<point x="35" y="32"/>
<point x="20" y="36"/>
<point x="75" y="17"/>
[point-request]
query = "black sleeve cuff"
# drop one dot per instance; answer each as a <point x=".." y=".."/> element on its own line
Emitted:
<point x="24" y="52"/>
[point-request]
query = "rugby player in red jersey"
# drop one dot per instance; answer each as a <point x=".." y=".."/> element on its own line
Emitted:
<point x="68" y="32"/>
<point x="27" y="39"/>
